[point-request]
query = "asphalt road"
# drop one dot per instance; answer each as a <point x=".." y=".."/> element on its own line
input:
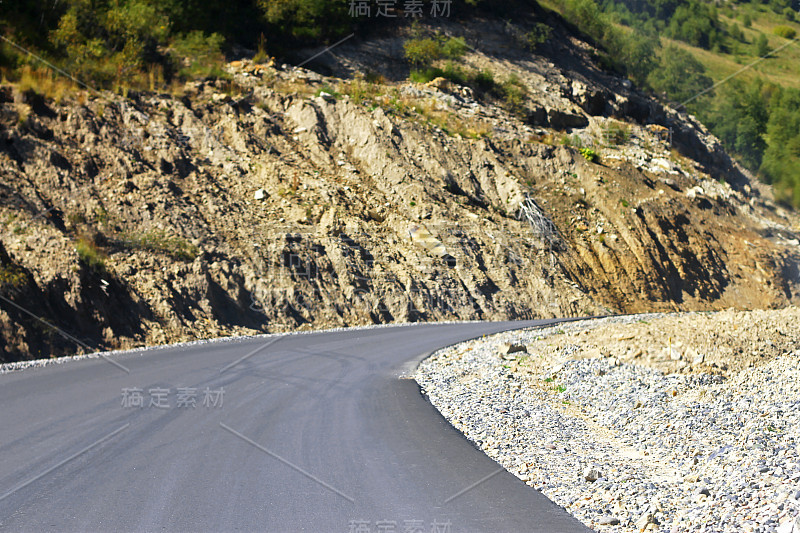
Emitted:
<point x="314" y="432"/>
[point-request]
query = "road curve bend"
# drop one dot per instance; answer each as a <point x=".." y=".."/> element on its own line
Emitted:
<point x="311" y="432"/>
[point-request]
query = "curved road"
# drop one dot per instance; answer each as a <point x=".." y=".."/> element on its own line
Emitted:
<point x="311" y="432"/>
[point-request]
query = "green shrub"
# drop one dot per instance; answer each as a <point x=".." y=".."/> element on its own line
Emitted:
<point x="586" y="15"/>
<point x="359" y="89"/>
<point x="261" y="55"/>
<point x="422" y="52"/>
<point x="636" y="52"/>
<point x="454" y="47"/>
<point x="301" y="22"/>
<point x="484" y="80"/>
<point x="786" y="32"/>
<point x="630" y="52"/>
<point x="90" y="254"/>
<point x="537" y="36"/>
<point x="451" y="72"/>
<point x="457" y="74"/>
<point x="513" y="92"/>
<point x="425" y="75"/>
<point x="738" y="116"/>
<point x="590" y="155"/>
<point x="200" y="55"/>
<point x="356" y="88"/>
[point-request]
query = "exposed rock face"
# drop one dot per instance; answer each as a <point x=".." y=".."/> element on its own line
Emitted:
<point x="157" y="218"/>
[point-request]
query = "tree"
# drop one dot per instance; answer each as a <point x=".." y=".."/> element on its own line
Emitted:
<point x="307" y="21"/>
<point x="781" y="162"/>
<point x="736" y="32"/>
<point x="638" y="53"/>
<point x="697" y="24"/>
<point x="107" y="44"/>
<point x="762" y="45"/>
<point x="739" y="118"/>
<point x="422" y="52"/>
<point x="678" y="74"/>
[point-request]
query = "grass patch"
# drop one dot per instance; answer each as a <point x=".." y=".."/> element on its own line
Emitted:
<point x="426" y="111"/>
<point x="329" y="90"/>
<point x="780" y="68"/>
<point x="90" y="254"/>
<point x="360" y="91"/>
<point x="160" y="242"/>
<point x="44" y="82"/>
<point x="451" y="123"/>
<point x="573" y="140"/>
<point x="616" y="133"/>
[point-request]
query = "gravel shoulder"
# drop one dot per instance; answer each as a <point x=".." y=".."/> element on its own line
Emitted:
<point x="680" y="422"/>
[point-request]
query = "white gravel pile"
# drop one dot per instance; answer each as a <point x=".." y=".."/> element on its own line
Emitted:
<point x="626" y="448"/>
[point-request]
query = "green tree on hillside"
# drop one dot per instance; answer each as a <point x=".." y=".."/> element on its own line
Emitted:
<point x="739" y="118"/>
<point x="679" y="75"/>
<point x="781" y="162"/>
<point x="107" y="44"/>
<point x="762" y="45"/>
<point x="697" y="24"/>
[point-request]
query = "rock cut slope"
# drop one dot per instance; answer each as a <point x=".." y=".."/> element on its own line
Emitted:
<point x="287" y="199"/>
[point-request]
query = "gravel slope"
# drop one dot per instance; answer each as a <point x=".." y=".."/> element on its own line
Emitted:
<point x="625" y="445"/>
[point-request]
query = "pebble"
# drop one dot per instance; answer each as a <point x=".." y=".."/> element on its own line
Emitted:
<point x="592" y="474"/>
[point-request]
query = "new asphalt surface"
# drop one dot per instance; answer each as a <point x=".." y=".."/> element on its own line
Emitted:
<point x="311" y="432"/>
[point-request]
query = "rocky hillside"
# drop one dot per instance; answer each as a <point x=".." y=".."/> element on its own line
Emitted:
<point x="288" y="199"/>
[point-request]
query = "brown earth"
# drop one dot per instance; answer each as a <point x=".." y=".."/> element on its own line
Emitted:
<point x="723" y="343"/>
<point x="256" y="205"/>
